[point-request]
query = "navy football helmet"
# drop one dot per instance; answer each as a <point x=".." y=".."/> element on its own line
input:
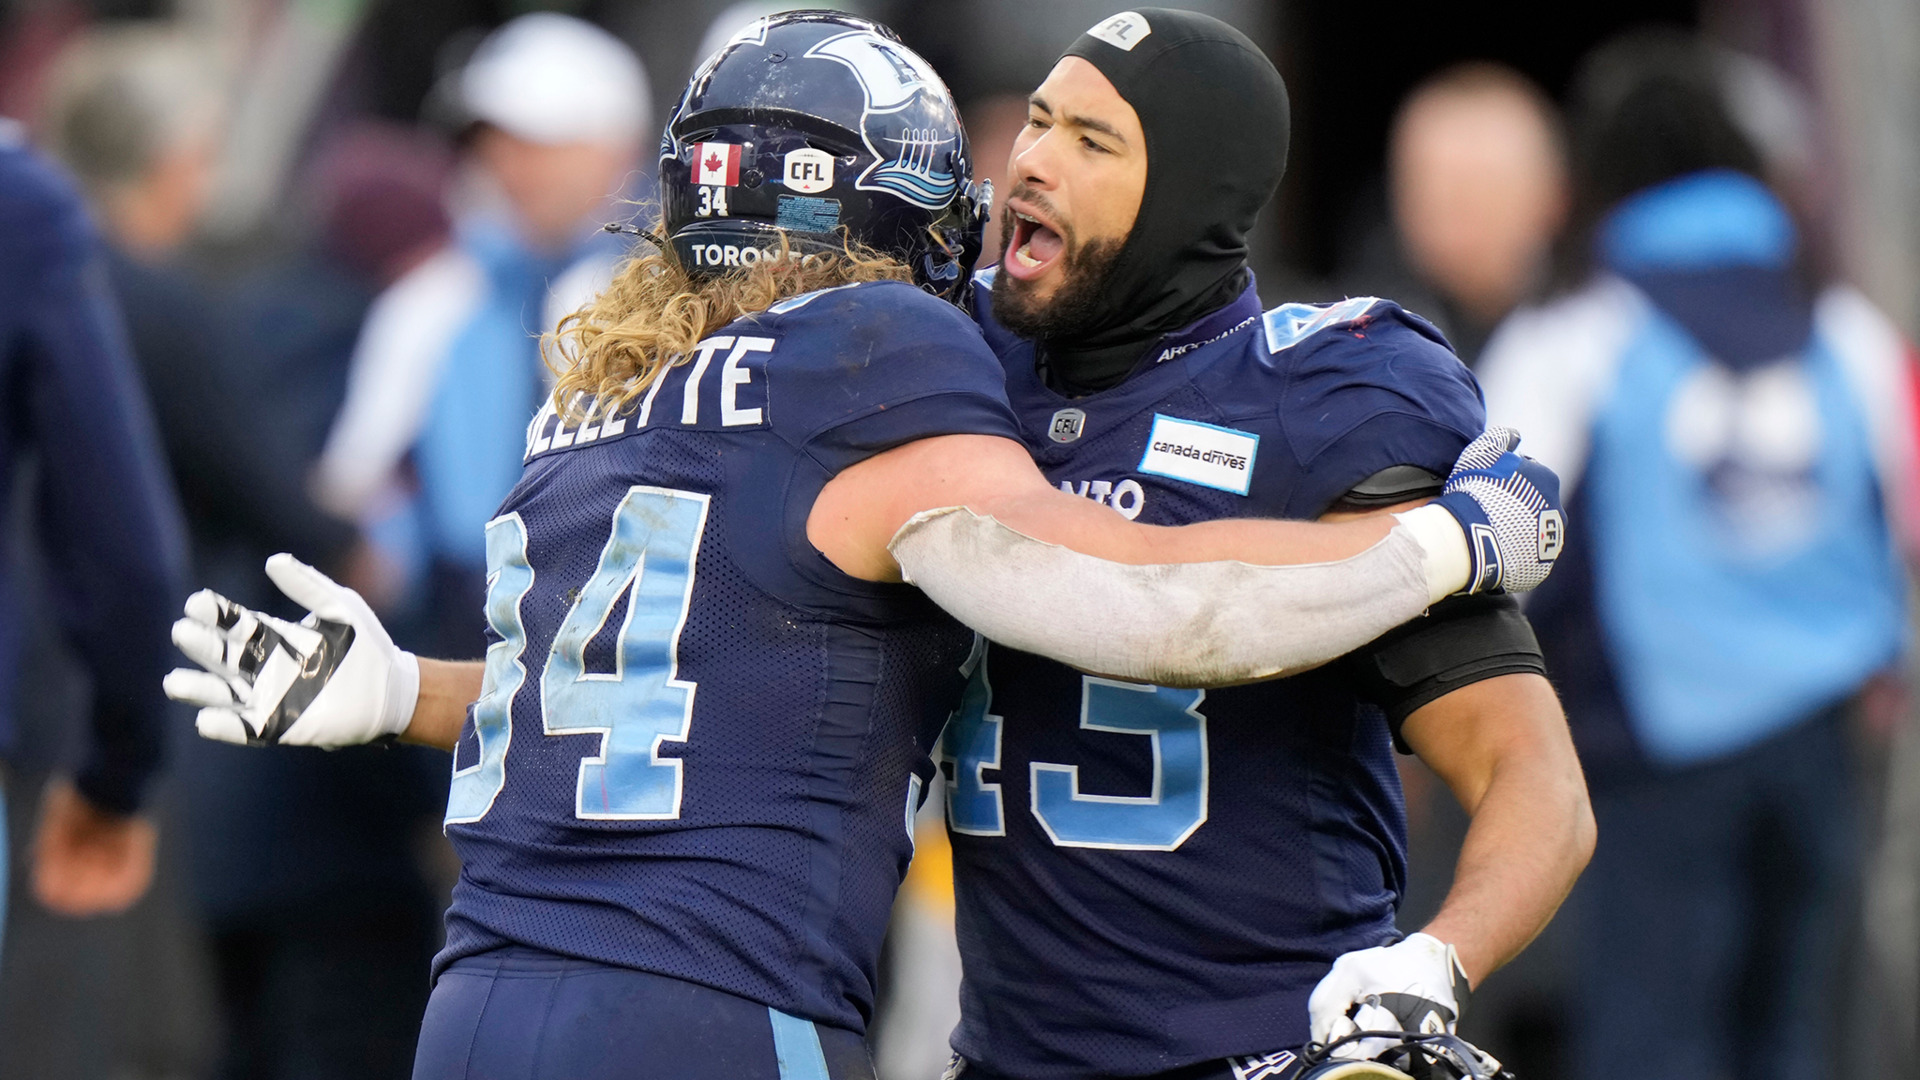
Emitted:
<point x="1417" y="1056"/>
<point x="822" y="126"/>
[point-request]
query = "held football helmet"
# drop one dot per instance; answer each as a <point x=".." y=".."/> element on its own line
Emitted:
<point x="1414" y="1057"/>
<point x="822" y="126"/>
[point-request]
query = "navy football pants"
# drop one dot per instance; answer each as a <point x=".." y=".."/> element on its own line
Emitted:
<point x="525" y="1014"/>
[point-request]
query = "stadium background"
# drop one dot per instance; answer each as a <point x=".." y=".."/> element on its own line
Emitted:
<point x="131" y="997"/>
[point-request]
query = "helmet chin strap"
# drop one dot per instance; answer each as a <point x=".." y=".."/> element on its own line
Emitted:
<point x="1431" y="1056"/>
<point x="966" y="240"/>
<point x="630" y="229"/>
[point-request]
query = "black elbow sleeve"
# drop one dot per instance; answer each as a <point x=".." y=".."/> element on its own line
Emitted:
<point x="1461" y="641"/>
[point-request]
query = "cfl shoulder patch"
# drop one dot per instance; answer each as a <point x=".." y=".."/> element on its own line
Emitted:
<point x="1205" y="454"/>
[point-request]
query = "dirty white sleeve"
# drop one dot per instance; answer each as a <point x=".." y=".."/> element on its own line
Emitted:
<point x="1180" y="624"/>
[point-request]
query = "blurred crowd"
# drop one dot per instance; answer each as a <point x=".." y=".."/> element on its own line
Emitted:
<point x="333" y="232"/>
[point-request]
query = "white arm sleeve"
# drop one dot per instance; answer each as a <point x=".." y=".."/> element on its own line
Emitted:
<point x="1179" y="624"/>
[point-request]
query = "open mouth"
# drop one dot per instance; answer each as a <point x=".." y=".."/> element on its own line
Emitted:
<point x="1035" y="246"/>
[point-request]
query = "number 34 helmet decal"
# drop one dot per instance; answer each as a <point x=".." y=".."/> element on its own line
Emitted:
<point x="822" y="126"/>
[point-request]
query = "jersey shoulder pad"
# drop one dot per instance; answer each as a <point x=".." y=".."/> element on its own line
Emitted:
<point x="1373" y="344"/>
<point x="878" y="331"/>
<point x="847" y="352"/>
<point x="814" y="365"/>
<point x="861" y="296"/>
<point x="1290" y="325"/>
<point x="1370" y="388"/>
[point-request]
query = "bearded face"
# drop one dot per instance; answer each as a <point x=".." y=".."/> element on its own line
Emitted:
<point x="1069" y="306"/>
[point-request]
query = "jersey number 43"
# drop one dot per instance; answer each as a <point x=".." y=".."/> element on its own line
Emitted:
<point x="639" y="705"/>
<point x="1158" y="821"/>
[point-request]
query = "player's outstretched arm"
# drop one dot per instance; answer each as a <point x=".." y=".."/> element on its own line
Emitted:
<point x="1204" y="604"/>
<point x="333" y="679"/>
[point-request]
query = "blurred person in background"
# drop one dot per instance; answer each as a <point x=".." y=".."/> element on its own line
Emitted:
<point x="304" y="866"/>
<point x="1696" y="382"/>
<point x="448" y="370"/>
<point x="136" y="112"/>
<point x="1477" y="187"/>
<point x="76" y="427"/>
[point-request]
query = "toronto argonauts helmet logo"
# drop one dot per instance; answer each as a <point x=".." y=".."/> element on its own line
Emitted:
<point x="903" y="96"/>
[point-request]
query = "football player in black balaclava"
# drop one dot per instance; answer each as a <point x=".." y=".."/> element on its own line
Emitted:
<point x="1106" y="254"/>
<point x="1204" y="903"/>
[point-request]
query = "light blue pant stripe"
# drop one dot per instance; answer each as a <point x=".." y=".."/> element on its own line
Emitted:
<point x="797" y="1046"/>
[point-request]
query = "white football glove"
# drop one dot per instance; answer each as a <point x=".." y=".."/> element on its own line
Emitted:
<point x="334" y="679"/>
<point x="1508" y="505"/>
<point x="1416" y="985"/>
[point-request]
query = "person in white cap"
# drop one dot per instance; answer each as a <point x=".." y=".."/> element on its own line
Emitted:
<point x="554" y="112"/>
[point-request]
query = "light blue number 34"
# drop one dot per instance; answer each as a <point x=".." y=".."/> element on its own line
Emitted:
<point x="649" y="557"/>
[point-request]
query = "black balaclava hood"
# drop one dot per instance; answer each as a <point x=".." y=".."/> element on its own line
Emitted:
<point x="1215" y="116"/>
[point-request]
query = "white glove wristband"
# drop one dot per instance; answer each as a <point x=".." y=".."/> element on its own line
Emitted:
<point x="1449" y="562"/>
<point x="1348" y="999"/>
<point x="403" y="694"/>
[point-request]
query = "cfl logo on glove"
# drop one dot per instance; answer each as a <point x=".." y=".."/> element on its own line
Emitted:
<point x="1508" y="507"/>
<point x="1553" y="535"/>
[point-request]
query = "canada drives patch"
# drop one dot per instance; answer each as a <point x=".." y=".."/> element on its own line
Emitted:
<point x="1204" y="454"/>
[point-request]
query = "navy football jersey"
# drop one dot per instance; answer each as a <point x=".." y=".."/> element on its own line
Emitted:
<point x="1151" y="877"/>
<point x="699" y="745"/>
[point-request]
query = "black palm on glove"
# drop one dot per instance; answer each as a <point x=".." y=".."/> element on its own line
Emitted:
<point x="332" y="679"/>
<point x="316" y="665"/>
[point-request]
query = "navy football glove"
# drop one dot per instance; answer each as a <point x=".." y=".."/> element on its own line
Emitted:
<point x="1509" y="507"/>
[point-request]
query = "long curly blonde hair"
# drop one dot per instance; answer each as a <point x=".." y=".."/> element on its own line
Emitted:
<point x="654" y="313"/>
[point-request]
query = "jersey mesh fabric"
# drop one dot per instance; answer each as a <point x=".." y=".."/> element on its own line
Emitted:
<point x="1095" y="961"/>
<point x="815" y="695"/>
